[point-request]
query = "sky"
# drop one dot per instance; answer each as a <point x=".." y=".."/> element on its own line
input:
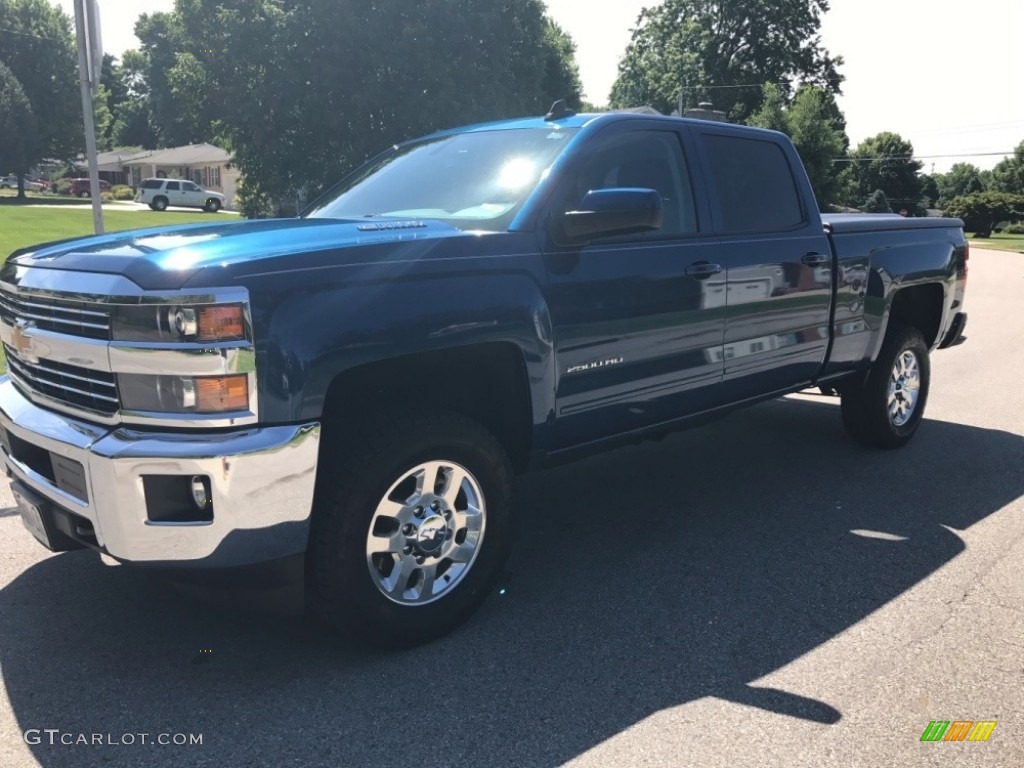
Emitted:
<point x="948" y="77"/>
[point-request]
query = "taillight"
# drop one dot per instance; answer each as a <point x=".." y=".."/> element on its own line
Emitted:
<point x="967" y="255"/>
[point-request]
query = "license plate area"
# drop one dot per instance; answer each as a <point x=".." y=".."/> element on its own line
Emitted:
<point x="32" y="516"/>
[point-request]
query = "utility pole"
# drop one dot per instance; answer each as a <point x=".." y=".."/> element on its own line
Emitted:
<point x="90" y="62"/>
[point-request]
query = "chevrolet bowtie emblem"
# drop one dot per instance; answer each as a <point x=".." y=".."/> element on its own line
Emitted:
<point x="23" y="342"/>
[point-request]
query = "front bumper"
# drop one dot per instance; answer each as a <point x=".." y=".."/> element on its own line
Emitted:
<point x="261" y="483"/>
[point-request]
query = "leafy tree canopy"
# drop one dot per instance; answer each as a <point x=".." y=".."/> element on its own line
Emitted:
<point x="37" y="45"/>
<point x="884" y="162"/>
<point x="721" y="51"/>
<point x="1008" y="175"/>
<point x="300" y="99"/>
<point x="981" y="211"/>
<point x="18" y="124"/>
<point x="961" y="179"/>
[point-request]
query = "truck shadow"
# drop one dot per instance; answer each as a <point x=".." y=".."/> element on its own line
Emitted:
<point x="642" y="579"/>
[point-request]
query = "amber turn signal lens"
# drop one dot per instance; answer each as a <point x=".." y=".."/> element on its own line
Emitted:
<point x="222" y="393"/>
<point x="222" y="323"/>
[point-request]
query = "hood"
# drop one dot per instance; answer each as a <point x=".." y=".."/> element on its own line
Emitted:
<point x="165" y="258"/>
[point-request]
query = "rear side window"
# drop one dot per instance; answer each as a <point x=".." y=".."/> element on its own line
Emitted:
<point x="152" y="184"/>
<point x="754" y="184"/>
<point x="172" y="186"/>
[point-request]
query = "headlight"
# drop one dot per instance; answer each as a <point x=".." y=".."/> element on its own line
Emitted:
<point x="184" y="394"/>
<point x="167" y="322"/>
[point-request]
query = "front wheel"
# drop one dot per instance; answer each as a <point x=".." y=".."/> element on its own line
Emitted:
<point x="886" y="409"/>
<point x="212" y="205"/>
<point x="411" y="526"/>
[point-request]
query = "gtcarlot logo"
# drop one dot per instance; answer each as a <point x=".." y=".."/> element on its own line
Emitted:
<point x="55" y="737"/>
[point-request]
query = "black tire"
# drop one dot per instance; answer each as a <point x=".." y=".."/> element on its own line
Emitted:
<point x="152" y="207"/>
<point x="159" y="203"/>
<point x="212" y="205"/>
<point x="865" y="406"/>
<point x="358" y="465"/>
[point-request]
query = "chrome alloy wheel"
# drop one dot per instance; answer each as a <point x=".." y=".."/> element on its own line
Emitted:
<point x="426" y="533"/>
<point x="904" y="388"/>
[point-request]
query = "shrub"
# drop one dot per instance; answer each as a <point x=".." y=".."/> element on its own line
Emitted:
<point x="62" y="186"/>
<point x="122" y="192"/>
<point x="1014" y="229"/>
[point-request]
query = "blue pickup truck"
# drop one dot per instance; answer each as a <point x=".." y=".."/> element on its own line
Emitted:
<point x="357" y="387"/>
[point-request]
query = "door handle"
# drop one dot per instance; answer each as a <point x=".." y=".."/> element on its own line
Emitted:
<point x="703" y="269"/>
<point x="815" y="259"/>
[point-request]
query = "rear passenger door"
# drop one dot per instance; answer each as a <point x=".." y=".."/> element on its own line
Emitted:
<point x="778" y="286"/>
<point x="173" y="192"/>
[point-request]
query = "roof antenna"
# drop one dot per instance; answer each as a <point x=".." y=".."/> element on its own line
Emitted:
<point x="559" y="110"/>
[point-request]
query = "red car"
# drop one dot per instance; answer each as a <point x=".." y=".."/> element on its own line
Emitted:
<point x="80" y="187"/>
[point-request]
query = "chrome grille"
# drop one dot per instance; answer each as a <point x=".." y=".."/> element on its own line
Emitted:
<point x="80" y="388"/>
<point x="91" y="321"/>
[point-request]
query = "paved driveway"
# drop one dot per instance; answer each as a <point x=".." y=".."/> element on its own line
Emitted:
<point x="759" y="592"/>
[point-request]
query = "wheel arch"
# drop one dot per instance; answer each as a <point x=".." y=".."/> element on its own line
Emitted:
<point x="487" y="382"/>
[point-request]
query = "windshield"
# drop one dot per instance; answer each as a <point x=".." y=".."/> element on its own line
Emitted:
<point x="475" y="181"/>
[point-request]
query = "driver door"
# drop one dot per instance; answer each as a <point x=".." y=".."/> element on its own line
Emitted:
<point x="638" y="319"/>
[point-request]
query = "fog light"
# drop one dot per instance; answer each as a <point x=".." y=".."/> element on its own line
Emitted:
<point x="200" y="492"/>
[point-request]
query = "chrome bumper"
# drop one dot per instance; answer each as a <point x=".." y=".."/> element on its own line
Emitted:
<point x="261" y="480"/>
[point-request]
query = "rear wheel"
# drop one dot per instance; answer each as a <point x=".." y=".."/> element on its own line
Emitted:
<point x="886" y="409"/>
<point x="411" y="526"/>
<point x="159" y="204"/>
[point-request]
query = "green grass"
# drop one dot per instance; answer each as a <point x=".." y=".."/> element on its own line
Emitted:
<point x="22" y="226"/>
<point x="999" y="242"/>
<point x="26" y="225"/>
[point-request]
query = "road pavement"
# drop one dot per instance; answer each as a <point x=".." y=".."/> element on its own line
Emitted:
<point x="758" y="592"/>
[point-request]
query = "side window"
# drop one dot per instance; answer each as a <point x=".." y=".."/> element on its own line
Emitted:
<point x="172" y="186"/>
<point x="754" y="184"/>
<point x="648" y="160"/>
<point x="151" y="184"/>
<point x="189" y="186"/>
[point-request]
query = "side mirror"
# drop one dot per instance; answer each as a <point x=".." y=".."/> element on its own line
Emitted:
<point x="614" y="212"/>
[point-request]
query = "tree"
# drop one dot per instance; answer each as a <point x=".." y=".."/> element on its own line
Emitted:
<point x="961" y="179"/>
<point x="102" y="118"/>
<point x="884" y="162"/>
<point x="816" y="126"/>
<point x="132" y="126"/>
<point x="17" y="124"/>
<point x="721" y="51"/>
<point x="562" y="75"/>
<point x="37" y="45"/>
<point x="1008" y="175"/>
<point x="930" y="189"/>
<point x="772" y="112"/>
<point x="300" y="102"/>
<point x="815" y="132"/>
<point x="876" y="203"/>
<point x="981" y="211"/>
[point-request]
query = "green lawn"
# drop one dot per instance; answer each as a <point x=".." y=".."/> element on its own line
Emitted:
<point x="999" y="242"/>
<point x="25" y="225"/>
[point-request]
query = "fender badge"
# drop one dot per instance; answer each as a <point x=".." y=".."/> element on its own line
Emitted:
<point x="584" y="367"/>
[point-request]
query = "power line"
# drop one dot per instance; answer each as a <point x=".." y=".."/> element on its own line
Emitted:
<point x="918" y="157"/>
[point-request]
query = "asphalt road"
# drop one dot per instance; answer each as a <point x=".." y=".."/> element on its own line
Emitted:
<point x="758" y="592"/>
